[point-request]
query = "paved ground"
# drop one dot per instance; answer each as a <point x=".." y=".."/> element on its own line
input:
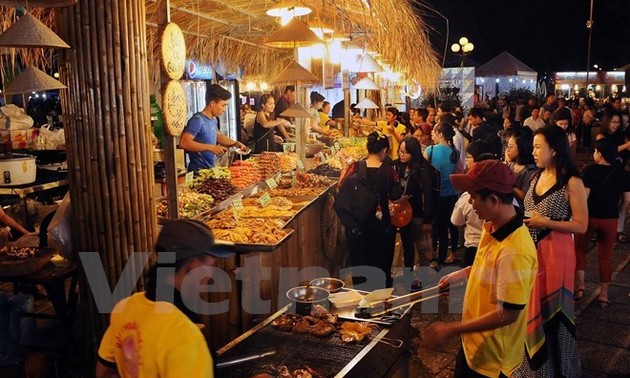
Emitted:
<point x="603" y="334"/>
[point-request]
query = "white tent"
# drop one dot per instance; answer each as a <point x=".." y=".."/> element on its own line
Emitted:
<point x="505" y="72"/>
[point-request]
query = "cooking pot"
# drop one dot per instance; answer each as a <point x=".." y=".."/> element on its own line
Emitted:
<point x="306" y="296"/>
<point x="17" y="169"/>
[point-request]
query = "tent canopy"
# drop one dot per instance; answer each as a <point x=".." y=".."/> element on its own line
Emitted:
<point x="504" y="64"/>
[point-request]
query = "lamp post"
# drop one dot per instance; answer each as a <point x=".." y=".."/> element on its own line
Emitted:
<point x="462" y="48"/>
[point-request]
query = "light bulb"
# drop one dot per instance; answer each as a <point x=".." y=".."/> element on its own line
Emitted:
<point x="497" y="80"/>
<point x="264" y="86"/>
<point x="455" y="47"/>
<point x="463" y="41"/>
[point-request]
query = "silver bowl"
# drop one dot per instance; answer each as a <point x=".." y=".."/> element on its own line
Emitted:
<point x="308" y="294"/>
<point x="333" y="285"/>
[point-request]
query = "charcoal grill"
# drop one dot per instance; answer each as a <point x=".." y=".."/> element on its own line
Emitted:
<point x="329" y="356"/>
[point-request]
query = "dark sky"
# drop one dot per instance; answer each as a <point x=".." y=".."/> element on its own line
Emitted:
<point x="547" y="35"/>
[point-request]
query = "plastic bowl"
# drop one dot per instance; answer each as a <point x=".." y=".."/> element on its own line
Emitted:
<point x="333" y="285"/>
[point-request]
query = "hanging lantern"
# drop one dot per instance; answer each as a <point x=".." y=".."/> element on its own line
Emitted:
<point x="295" y="73"/>
<point x="294" y="34"/>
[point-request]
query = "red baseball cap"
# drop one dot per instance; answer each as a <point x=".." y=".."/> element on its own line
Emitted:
<point x="487" y="174"/>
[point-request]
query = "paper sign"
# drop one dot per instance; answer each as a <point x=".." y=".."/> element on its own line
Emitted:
<point x="300" y="164"/>
<point x="338" y="146"/>
<point x="189" y="179"/>
<point x="235" y="213"/>
<point x="271" y="183"/>
<point x="264" y="200"/>
<point x="333" y="150"/>
<point x="293" y="180"/>
<point x="237" y="204"/>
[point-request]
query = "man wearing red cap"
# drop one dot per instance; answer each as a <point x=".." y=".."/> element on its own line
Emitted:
<point x="500" y="280"/>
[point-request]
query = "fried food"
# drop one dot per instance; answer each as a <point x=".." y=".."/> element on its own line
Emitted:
<point x="286" y="322"/>
<point x="354" y="332"/>
<point x="322" y="329"/>
<point x="302" y="326"/>
<point x="18" y="252"/>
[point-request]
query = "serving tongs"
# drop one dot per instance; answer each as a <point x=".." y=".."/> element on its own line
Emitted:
<point x="244" y="359"/>
<point x="387" y="308"/>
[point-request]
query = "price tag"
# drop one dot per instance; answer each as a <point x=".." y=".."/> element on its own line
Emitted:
<point x="293" y="180"/>
<point x="271" y="183"/>
<point x="235" y="213"/>
<point x="237" y="204"/>
<point x="338" y="146"/>
<point x="189" y="179"/>
<point x="264" y="200"/>
<point x="333" y="150"/>
<point x="300" y="164"/>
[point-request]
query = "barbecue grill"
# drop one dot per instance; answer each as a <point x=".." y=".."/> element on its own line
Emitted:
<point x="328" y="356"/>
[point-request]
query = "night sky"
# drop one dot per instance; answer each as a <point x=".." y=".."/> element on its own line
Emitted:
<point x="547" y="35"/>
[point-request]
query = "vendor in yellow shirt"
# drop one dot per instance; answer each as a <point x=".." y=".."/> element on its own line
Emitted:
<point x="394" y="131"/>
<point x="324" y="120"/>
<point x="150" y="336"/>
<point x="500" y="281"/>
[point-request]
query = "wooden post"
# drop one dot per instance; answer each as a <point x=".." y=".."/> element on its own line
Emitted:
<point x="169" y="142"/>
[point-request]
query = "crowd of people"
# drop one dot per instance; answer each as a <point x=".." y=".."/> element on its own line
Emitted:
<point x="509" y="177"/>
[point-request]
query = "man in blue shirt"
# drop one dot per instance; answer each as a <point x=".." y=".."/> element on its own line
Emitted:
<point x="201" y="138"/>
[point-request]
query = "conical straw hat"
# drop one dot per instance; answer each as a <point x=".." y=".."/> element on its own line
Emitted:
<point x="296" y="110"/>
<point x="30" y="32"/>
<point x="367" y="83"/>
<point x="37" y="3"/>
<point x="33" y="80"/>
<point x="295" y="73"/>
<point x="294" y="34"/>
<point x="366" y="103"/>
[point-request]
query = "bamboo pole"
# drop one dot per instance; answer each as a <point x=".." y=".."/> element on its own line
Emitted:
<point x="108" y="141"/>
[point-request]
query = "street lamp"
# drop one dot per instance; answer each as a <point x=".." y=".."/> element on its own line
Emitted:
<point x="462" y="48"/>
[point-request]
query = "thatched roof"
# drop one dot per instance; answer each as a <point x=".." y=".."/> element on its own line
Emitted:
<point x="231" y="33"/>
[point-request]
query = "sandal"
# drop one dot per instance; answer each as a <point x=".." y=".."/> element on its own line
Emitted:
<point x="622" y="238"/>
<point x="578" y="295"/>
<point x="603" y="303"/>
<point x="451" y="259"/>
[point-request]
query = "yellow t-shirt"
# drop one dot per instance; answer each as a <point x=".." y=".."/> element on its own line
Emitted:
<point x="502" y="274"/>
<point x="323" y="119"/>
<point x="393" y="143"/>
<point x="154" y="339"/>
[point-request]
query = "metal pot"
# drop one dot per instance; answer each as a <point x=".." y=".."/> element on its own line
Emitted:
<point x="17" y="169"/>
<point x="305" y="296"/>
<point x="333" y="285"/>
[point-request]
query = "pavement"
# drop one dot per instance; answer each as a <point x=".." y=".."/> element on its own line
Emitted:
<point x="603" y="334"/>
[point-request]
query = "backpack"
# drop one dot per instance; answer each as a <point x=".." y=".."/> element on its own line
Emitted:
<point x="357" y="199"/>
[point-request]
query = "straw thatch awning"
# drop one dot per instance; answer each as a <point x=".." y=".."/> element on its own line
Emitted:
<point x="232" y="32"/>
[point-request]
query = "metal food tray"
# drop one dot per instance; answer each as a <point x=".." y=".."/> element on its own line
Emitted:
<point x="263" y="247"/>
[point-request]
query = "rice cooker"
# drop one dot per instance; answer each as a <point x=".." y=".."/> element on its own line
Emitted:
<point x="17" y="169"/>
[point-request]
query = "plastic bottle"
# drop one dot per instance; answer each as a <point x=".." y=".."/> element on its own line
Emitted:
<point x="157" y="120"/>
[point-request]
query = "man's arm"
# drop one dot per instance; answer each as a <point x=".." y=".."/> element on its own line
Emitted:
<point x="103" y="371"/>
<point x="223" y="140"/>
<point x="188" y="143"/>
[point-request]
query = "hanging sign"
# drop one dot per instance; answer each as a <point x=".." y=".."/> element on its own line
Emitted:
<point x="198" y="71"/>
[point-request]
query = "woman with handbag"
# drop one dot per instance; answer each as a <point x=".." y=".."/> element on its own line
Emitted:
<point x="417" y="187"/>
<point x="266" y="124"/>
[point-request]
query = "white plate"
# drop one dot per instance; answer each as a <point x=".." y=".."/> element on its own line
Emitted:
<point x="377" y="296"/>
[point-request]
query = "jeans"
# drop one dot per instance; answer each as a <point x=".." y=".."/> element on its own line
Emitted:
<point x="374" y="247"/>
<point x="411" y="237"/>
<point x="442" y="225"/>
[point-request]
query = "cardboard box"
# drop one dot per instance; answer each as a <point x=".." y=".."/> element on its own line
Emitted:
<point x="19" y="139"/>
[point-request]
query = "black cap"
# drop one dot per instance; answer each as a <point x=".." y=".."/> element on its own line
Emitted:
<point x="189" y="238"/>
